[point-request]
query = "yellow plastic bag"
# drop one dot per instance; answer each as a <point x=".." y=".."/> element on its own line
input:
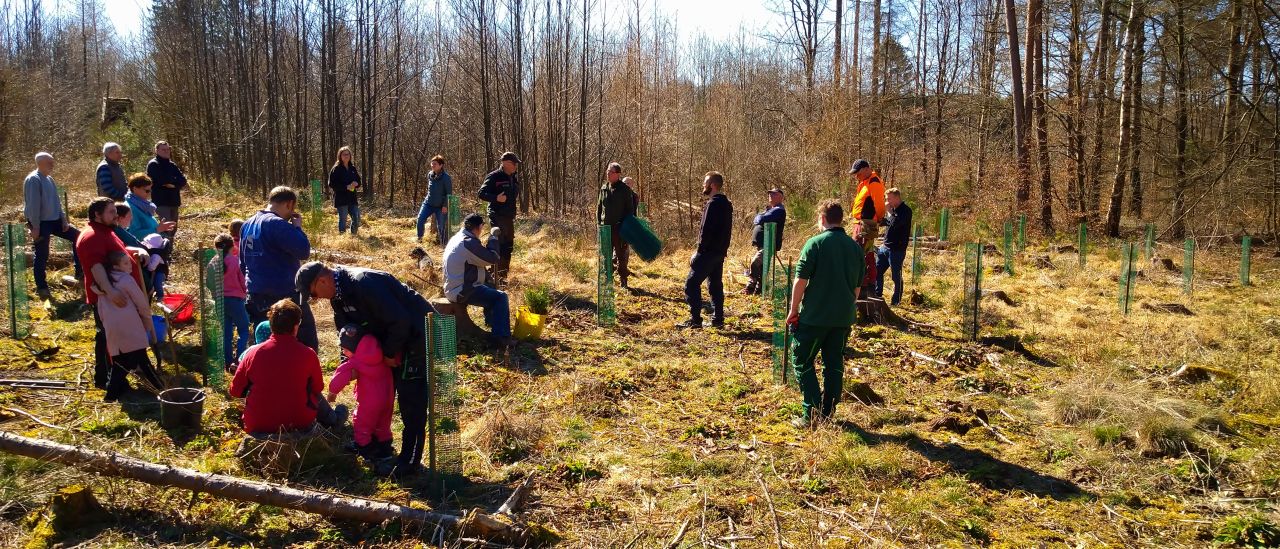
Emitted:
<point x="528" y="325"/>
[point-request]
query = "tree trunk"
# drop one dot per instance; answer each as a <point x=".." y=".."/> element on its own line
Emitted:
<point x="1102" y="94"/>
<point x="1023" y="193"/>
<point x="1137" y="107"/>
<point x="1181" y="125"/>
<point x="1042" y="126"/>
<point x="1132" y="29"/>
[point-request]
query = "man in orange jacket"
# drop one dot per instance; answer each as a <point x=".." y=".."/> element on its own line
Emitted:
<point x="868" y="203"/>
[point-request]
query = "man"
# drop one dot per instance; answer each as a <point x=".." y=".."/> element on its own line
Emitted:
<point x="500" y="189"/>
<point x="775" y="213"/>
<point x="465" y="259"/>
<point x="395" y="315"/>
<point x="42" y="205"/>
<point x="707" y="262"/>
<point x="94" y="244"/>
<point x="617" y="201"/>
<point x="868" y="204"/>
<point x="828" y="278"/>
<point x="272" y="246"/>
<point x="436" y="202"/>
<point x="897" y="238"/>
<point x="169" y="182"/>
<point x="111" y="180"/>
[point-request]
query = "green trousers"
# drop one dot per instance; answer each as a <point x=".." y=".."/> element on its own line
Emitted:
<point x="807" y="342"/>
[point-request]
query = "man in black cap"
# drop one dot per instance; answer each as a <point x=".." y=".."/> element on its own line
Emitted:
<point x="395" y="315"/>
<point x="708" y="262"/>
<point x="775" y="213"/>
<point x="617" y="201"/>
<point x="868" y="204"/>
<point x="500" y="189"/>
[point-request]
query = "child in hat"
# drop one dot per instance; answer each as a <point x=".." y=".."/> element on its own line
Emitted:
<point x="375" y="391"/>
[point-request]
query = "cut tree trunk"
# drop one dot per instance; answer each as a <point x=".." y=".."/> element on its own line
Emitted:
<point x="331" y="505"/>
<point x="875" y="311"/>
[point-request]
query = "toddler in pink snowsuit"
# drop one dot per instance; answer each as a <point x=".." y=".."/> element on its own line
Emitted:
<point x="375" y="391"/>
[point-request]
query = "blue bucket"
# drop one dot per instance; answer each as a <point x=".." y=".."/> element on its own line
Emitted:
<point x="161" y="331"/>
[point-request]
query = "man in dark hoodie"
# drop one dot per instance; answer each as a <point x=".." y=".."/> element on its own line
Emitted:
<point x="617" y="201"/>
<point x="396" y="316"/>
<point x="707" y="263"/>
<point x="167" y="181"/>
<point x="500" y="189"/>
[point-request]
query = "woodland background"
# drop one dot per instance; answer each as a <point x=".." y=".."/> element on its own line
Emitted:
<point x="1104" y="111"/>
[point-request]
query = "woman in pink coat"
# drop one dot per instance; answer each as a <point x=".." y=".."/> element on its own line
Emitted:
<point x="375" y="392"/>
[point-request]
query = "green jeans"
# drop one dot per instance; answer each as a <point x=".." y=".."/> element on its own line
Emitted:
<point x="807" y="342"/>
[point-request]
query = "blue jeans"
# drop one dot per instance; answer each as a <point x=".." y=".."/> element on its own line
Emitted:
<point x="41" y="252"/>
<point x="442" y="220"/>
<point x="354" y="210"/>
<point x="497" y="309"/>
<point x="157" y="284"/>
<point x="234" y="315"/>
<point x="886" y="258"/>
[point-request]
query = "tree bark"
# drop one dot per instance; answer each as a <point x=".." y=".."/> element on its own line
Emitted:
<point x="1023" y="193"/>
<point x="1114" y="207"/>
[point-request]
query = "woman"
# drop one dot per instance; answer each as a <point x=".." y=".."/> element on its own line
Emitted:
<point x="144" y="211"/>
<point x="345" y="182"/>
<point x="436" y="203"/>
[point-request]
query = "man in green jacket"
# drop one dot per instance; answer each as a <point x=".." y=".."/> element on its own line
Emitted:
<point x="617" y="201"/>
<point x="823" y="308"/>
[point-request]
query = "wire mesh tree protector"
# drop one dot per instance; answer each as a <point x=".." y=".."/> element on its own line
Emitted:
<point x="944" y="222"/>
<point x="781" y="300"/>
<point x="606" y="315"/>
<point x="1009" y="250"/>
<point x="1128" y="275"/>
<point x="1149" y="246"/>
<point x="770" y="234"/>
<point x="1022" y="232"/>
<point x="1188" y="265"/>
<point x="916" y="268"/>
<point x="315" y="213"/>
<point x="211" y="314"/>
<point x="19" y="309"/>
<point x="444" y="440"/>
<point x="970" y="308"/>
<point x="455" y="214"/>
<point x="1082" y="244"/>
<point x="1246" y="250"/>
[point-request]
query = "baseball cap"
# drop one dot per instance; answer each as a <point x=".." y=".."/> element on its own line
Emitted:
<point x="858" y="165"/>
<point x="775" y="190"/>
<point x="510" y="156"/>
<point x="306" y="275"/>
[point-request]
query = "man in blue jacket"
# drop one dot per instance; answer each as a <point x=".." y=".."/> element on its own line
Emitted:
<point x="436" y="202"/>
<point x="168" y="181"/>
<point x="896" y="241"/>
<point x="500" y="189"/>
<point x="110" y="175"/>
<point x="272" y="246"/>
<point x="777" y="214"/>
<point x="707" y="264"/>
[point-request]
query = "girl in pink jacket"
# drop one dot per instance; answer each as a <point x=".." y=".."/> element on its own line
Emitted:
<point x="129" y="328"/>
<point x="375" y="391"/>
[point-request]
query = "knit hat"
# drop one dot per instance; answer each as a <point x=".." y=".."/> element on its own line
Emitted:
<point x="349" y="337"/>
<point x="261" y="332"/>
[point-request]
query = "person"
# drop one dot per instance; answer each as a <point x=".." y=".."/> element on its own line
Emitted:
<point x="776" y="213"/>
<point x="896" y="241"/>
<point x="233" y="293"/>
<point x="96" y="241"/>
<point x="130" y="330"/>
<point x="233" y="229"/>
<point x="617" y="201"/>
<point x="144" y="210"/>
<point x="344" y="181"/>
<point x="110" y="175"/>
<point x="829" y="273"/>
<point x="868" y="284"/>
<point x="169" y="182"/>
<point x="124" y="216"/>
<point x="272" y="246"/>
<point x="159" y="254"/>
<point x="281" y="380"/>
<point x="707" y="262"/>
<point x="868" y="203"/>
<point x="436" y="202"/>
<point x="375" y="392"/>
<point x="465" y="259"/>
<point x="395" y="315"/>
<point x="501" y="189"/>
<point x="261" y="333"/>
<point x="42" y="205"/>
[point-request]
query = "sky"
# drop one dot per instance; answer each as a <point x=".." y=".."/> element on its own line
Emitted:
<point x="713" y="17"/>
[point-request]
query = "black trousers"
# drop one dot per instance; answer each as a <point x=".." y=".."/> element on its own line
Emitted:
<point x="412" y="395"/>
<point x="258" y="304"/>
<point x="709" y="268"/>
<point x="136" y="362"/>
<point x="101" y="358"/>
<point x="506" y="245"/>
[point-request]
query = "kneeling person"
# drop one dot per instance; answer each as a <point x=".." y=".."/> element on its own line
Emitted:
<point x="465" y="259"/>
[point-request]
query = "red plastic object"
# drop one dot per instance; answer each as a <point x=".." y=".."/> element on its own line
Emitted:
<point x="183" y="308"/>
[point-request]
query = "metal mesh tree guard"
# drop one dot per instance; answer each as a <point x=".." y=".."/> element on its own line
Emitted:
<point x="1009" y="251"/>
<point x="1082" y="244"/>
<point x="970" y="308"/>
<point x="455" y="214"/>
<point x="1246" y="250"/>
<point x="1188" y="265"/>
<point x="19" y="300"/>
<point x="1149" y="245"/>
<point x="916" y="267"/>
<point x="944" y="222"/>
<point x="1128" y="275"/>
<point x="770" y="234"/>
<point x="1022" y="232"/>
<point x="781" y="301"/>
<point x="444" y="432"/>
<point x="605" y="313"/>
<point x="315" y="210"/>
<point x="211" y="314"/>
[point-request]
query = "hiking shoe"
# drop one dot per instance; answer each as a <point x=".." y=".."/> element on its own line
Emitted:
<point x="381" y="450"/>
<point x="43" y="294"/>
<point x="802" y="423"/>
<point x="692" y="324"/>
<point x="353" y="448"/>
<point x="340" y="413"/>
<point x="717" y="323"/>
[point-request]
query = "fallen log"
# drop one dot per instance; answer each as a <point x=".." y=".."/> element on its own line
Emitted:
<point x="321" y="503"/>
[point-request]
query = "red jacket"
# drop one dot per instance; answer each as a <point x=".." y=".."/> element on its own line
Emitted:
<point x="96" y="241"/>
<point x="279" y="380"/>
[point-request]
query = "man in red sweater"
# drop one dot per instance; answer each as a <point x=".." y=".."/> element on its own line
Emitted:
<point x="281" y="380"/>
<point x="96" y="241"/>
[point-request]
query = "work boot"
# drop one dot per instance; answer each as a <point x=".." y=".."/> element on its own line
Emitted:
<point x="43" y="294"/>
<point x="803" y="423"/>
<point x="693" y="324"/>
<point x="717" y="322"/>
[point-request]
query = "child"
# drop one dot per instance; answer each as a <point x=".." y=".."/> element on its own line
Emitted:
<point x="160" y="249"/>
<point x="234" y="229"/>
<point x="129" y="329"/>
<point x="374" y="392"/>
<point x="261" y="333"/>
<point x="233" y="294"/>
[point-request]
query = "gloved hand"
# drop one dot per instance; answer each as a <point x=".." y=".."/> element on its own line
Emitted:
<point x="495" y="232"/>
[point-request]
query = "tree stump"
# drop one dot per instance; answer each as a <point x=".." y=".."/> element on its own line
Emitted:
<point x="874" y="310"/>
<point x="1173" y="308"/>
<point x="1000" y="295"/>
<point x="1164" y="262"/>
<point x="466" y="327"/>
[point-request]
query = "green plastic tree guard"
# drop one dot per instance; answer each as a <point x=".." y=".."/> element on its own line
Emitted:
<point x="1246" y="250"/>
<point x="770" y="235"/>
<point x="970" y="308"/>
<point x="605" y="313"/>
<point x="1188" y="265"/>
<point x="916" y="267"/>
<point x="1128" y="276"/>
<point x="15" y="245"/>
<point x="211" y="315"/>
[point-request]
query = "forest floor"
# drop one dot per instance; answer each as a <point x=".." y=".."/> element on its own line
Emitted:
<point x="1067" y="428"/>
